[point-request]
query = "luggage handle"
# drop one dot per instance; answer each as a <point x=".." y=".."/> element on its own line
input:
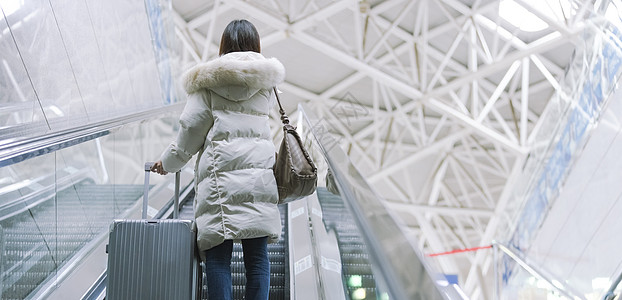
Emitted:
<point x="148" y="166"/>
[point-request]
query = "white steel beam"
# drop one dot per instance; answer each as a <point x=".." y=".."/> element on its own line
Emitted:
<point x="321" y="15"/>
<point x="206" y="17"/>
<point x="524" y="111"/>
<point x="559" y="26"/>
<point x="404" y="12"/>
<point x="210" y="31"/>
<point x="500" y="88"/>
<point x="437" y="146"/>
<point x="404" y="89"/>
<point x="429" y="232"/>
<point x="543" y="44"/>
<point x="258" y="13"/>
<point x="495" y="221"/>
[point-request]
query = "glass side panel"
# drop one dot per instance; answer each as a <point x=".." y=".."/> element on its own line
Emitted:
<point x="55" y="206"/>
<point x="18" y="104"/>
<point x="27" y="226"/>
<point x="65" y="64"/>
<point x="356" y="268"/>
<point x="378" y="260"/>
<point x="523" y="284"/>
<point x="43" y="53"/>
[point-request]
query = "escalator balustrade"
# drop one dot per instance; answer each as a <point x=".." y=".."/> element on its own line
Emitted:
<point x="38" y="241"/>
<point x="356" y="267"/>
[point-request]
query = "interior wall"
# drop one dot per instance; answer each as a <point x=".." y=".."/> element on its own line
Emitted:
<point x="579" y="240"/>
<point x="64" y="64"/>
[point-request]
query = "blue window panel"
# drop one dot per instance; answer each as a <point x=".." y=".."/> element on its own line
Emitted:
<point x="451" y="278"/>
<point x="567" y="146"/>
<point x="596" y="80"/>
<point x="531" y="217"/>
<point x="598" y="93"/>
<point x="507" y="265"/>
<point x="586" y="101"/>
<point x="542" y="191"/>
<point x="579" y="124"/>
<point x="613" y="57"/>
<point x="554" y="167"/>
<point x="161" y="50"/>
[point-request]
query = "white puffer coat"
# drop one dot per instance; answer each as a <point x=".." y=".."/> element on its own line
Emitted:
<point x="226" y="121"/>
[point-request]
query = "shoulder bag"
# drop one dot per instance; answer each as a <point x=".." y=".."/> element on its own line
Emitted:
<point x="295" y="172"/>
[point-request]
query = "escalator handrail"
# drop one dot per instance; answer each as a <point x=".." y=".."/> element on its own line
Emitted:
<point x="326" y="251"/>
<point x="13" y="207"/>
<point x="558" y="285"/>
<point x="19" y="150"/>
<point x="399" y="273"/>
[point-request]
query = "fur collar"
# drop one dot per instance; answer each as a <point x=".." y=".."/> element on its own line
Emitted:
<point x="248" y="69"/>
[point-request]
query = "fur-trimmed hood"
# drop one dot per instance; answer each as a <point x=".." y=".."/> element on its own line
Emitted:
<point x="240" y="69"/>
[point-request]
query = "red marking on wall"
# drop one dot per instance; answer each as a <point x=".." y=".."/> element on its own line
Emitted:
<point x="459" y="251"/>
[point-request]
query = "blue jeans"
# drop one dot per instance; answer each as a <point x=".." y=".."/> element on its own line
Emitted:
<point x="256" y="263"/>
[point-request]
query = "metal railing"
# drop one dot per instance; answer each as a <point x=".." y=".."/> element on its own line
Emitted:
<point x="610" y="294"/>
<point x="557" y="285"/>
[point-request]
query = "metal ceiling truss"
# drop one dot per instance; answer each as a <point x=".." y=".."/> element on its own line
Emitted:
<point x="467" y="105"/>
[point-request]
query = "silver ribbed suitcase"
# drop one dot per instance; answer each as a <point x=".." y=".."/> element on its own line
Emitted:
<point x="153" y="259"/>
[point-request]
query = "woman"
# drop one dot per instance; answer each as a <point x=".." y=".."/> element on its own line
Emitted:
<point x="226" y="121"/>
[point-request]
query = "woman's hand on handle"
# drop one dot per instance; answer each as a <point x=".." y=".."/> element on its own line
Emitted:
<point x="157" y="167"/>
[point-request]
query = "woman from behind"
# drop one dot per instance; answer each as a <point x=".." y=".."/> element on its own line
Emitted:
<point x="225" y="121"/>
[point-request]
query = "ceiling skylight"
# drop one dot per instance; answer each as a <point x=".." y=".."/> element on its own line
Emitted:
<point x="9" y="7"/>
<point x="521" y="16"/>
<point x="613" y="13"/>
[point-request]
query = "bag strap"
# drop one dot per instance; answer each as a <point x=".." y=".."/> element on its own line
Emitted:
<point x="284" y="117"/>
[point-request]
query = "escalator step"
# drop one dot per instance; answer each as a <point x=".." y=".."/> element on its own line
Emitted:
<point x="78" y="214"/>
<point x="278" y="256"/>
<point x="354" y="255"/>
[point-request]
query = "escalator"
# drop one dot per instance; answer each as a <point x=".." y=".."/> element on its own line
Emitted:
<point x="37" y="244"/>
<point x="352" y="254"/>
<point x="356" y="267"/>
<point x="86" y="212"/>
<point x="33" y="249"/>
<point x="277" y="253"/>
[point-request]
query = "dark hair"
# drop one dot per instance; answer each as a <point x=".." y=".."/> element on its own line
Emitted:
<point x="239" y="35"/>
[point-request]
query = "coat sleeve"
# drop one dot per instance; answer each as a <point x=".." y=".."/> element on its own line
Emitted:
<point x="195" y="122"/>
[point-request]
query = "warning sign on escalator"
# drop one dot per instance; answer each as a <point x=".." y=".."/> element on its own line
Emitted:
<point x="303" y="264"/>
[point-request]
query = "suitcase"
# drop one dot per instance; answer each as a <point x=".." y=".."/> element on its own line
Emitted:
<point x="153" y="259"/>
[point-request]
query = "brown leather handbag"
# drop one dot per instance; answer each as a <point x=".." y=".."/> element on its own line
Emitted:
<point x="295" y="172"/>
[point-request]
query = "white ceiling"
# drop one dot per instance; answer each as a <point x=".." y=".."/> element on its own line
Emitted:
<point x="443" y="97"/>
